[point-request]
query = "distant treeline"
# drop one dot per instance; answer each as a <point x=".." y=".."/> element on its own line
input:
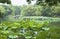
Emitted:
<point x="29" y="10"/>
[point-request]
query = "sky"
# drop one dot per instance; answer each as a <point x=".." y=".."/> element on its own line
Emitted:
<point x="21" y="2"/>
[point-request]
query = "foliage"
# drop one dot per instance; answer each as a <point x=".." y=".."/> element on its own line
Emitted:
<point x="29" y="29"/>
<point x="40" y="11"/>
<point x="24" y="28"/>
<point x="56" y="11"/>
<point x="5" y="1"/>
<point x="31" y="10"/>
<point x="8" y="11"/>
<point x="53" y="33"/>
<point x="44" y="2"/>
<point x="2" y="11"/>
<point x="14" y="12"/>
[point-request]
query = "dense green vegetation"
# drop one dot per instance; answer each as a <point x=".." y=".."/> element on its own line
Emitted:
<point x="45" y="2"/>
<point x="41" y="11"/>
<point x="36" y="10"/>
<point x="29" y="29"/>
<point x="41" y="21"/>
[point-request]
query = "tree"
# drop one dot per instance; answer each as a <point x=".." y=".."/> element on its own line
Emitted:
<point x="49" y="2"/>
<point x="5" y="1"/>
<point x="1" y="8"/>
<point x="2" y="13"/>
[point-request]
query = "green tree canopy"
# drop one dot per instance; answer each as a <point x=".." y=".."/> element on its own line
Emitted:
<point x="49" y="2"/>
<point x="5" y="1"/>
